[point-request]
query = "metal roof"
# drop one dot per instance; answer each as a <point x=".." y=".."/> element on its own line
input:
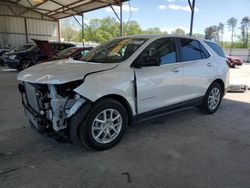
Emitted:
<point x="57" y="9"/>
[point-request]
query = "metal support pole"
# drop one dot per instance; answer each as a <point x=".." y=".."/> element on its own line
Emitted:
<point x="83" y="40"/>
<point x="119" y="17"/>
<point x="121" y="24"/>
<point x="59" y="31"/>
<point x="192" y="7"/>
<point x="82" y="26"/>
<point x="26" y="30"/>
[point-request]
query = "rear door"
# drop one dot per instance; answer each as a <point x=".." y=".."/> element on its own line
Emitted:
<point x="198" y="68"/>
<point x="159" y="86"/>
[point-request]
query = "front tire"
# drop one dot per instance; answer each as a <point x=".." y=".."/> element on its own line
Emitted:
<point x="212" y="99"/>
<point x="24" y="65"/>
<point x="105" y="125"/>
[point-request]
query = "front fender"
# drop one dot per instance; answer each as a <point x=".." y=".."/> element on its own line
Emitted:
<point x="118" y="82"/>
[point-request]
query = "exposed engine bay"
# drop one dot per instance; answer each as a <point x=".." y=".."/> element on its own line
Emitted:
<point x="50" y="106"/>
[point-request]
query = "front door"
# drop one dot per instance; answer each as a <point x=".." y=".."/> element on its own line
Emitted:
<point x="159" y="86"/>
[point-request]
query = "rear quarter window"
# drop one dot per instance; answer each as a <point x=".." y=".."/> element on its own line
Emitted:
<point x="192" y="50"/>
<point x="218" y="50"/>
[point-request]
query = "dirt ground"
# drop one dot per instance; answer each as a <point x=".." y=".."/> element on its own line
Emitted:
<point x="184" y="149"/>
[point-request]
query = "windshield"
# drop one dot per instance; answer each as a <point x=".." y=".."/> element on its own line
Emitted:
<point x="114" y="51"/>
<point x="66" y="53"/>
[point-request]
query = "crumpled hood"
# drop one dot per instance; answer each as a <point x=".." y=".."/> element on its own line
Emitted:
<point x="61" y="71"/>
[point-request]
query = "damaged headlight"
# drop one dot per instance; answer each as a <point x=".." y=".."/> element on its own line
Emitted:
<point x="72" y="105"/>
<point x="64" y="103"/>
<point x="66" y="90"/>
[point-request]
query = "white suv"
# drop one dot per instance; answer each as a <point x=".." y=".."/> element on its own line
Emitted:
<point x="126" y="79"/>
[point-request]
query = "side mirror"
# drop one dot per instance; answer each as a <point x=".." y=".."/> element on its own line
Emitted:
<point x="148" y="61"/>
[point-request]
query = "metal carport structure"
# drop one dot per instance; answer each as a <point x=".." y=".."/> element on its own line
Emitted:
<point x="52" y="10"/>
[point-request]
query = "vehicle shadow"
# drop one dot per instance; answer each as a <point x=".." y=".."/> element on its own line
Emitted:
<point x="177" y="138"/>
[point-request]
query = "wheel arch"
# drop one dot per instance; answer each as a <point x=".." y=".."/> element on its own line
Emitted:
<point x="221" y="83"/>
<point x="123" y="101"/>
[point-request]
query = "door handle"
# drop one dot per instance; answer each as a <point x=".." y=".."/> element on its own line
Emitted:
<point x="175" y="70"/>
<point x="209" y="64"/>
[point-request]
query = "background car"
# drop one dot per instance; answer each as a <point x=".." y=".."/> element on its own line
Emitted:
<point x="233" y="61"/>
<point x="2" y="51"/>
<point x="74" y="52"/>
<point x="16" y="49"/>
<point x="23" y="58"/>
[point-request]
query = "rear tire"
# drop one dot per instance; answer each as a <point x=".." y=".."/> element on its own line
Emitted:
<point x="105" y="125"/>
<point x="212" y="99"/>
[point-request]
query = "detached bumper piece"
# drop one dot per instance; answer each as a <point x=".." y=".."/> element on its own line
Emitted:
<point x="237" y="88"/>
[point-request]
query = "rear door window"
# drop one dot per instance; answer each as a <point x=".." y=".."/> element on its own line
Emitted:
<point x="216" y="48"/>
<point x="192" y="50"/>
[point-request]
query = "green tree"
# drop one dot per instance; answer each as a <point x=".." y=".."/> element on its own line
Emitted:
<point x="221" y="31"/>
<point x="131" y="28"/>
<point x="101" y="30"/>
<point x="232" y="22"/>
<point x="69" y="34"/>
<point x="154" y="30"/>
<point x="245" y="23"/>
<point x="212" y="33"/>
<point x="198" y="35"/>
<point x="179" y="31"/>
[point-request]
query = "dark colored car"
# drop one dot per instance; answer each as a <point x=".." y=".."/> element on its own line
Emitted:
<point x="232" y="61"/>
<point x="74" y="52"/>
<point x="16" y="49"/>
<point x="13" y="51"/>
<point x="42" y="51"/>
<point x="2" y="51"/>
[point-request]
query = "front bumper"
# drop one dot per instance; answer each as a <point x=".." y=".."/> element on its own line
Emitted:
<point x="44" y="120"/>
<point x="39" y="121"/>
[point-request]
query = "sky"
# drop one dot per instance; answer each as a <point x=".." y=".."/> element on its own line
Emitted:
<point x="171" y="14"/>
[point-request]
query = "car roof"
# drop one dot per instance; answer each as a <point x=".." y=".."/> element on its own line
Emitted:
<point x="152" y="36"/>
<point x="156" y="36"/>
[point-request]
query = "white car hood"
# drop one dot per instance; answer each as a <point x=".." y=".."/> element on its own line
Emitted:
<point x="61" y="71"/>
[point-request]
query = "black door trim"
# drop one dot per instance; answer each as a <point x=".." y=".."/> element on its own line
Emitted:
<point x="165" y="110"/>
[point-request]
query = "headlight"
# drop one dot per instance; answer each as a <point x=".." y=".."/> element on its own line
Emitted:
<point x="67" y="88"/>
<point x="12" y="56"/>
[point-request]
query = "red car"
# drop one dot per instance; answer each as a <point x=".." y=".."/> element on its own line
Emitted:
<point x="232" y="61"/>
<point x="73" y="52"/>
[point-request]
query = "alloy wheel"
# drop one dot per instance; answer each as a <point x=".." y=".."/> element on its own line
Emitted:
<point x="106" y="126"/>
<point x="214" y="98"/>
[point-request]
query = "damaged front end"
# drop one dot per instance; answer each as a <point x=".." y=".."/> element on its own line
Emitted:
<point x="51" y="108"/>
